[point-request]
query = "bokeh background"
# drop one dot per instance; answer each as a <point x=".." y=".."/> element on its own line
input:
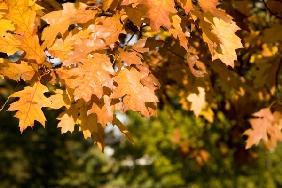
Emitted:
<point x="173" y="149"/>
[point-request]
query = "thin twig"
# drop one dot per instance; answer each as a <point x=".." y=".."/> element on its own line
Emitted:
<point x="277" y="74"/>
<point x="126" y="43"/>
<point x="3" y="106"/>
<point x="174" y="53"/>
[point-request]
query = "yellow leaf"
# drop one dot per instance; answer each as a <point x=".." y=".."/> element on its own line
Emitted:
<point x="177" y="32"/>
<point x="90" y="127"/>
<point x="30" y="104"/>
<point x="70" y="117"/>
<point x="6" y="25"/>
<point x="198" y="101"/>
<point x="130" y="58"/>
<point x="17" y="71"/>
<point x="32" y="48"/>
<point x="59" y="100"/>
<point x="208" y="6"/>
<point x="62" y="48"/>
<point x="23" y="15"/>
<point x="28" y="107"/>
<point x="229" y="41"/>
<point x="123" y="129"/>
<point x="9" y="44"/>
<point x="66" y="123"/>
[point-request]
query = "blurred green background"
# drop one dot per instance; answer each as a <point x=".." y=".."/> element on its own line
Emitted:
<point x="173" y="149"/>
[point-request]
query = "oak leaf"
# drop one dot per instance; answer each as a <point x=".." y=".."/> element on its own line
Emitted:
<point x="6" y="25"/>
<point x="90" y="127"/>
<point x="62" y="47"/>
<point x="177" y="32"/>
<point x="134" y="95"/>
<point x="130" y="57"/>
<point x="59" y="99"/>
<point x="90" y="77"/>
<point x="30" y="104"/>
<point x="77" y="114"/>
<point x="107" y="29"/>
<point x="187" y="5"/>
<point x="70" y="117"/>
<point x="9" y="44"/>
<point x="266" y="127"/>
<point x="67" y="122"/>
<point x="17" y="71"/>
<point x="159" y="16"/>
<point x="103" y="109"/>
<point x="211" y="7"/>
<point x="229" y="41"/>
<point x="23" y="16"/>
<point x="96" y="37"/>
<point x="32" y="48"/>
<point x="221" y="38"/>
<point x="59" y="21"/>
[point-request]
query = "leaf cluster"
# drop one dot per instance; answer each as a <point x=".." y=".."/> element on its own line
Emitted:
<point x="92" y="59"/>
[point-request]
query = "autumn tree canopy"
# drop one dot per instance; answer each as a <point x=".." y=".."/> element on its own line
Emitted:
<point x="93" y="59"/>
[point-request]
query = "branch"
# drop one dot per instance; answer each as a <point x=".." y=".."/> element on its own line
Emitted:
<point x="270" y="11"/>
<point x="277" y="74"/>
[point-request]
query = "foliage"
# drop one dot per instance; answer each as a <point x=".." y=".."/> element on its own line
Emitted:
<point x="185" y="151"/>
<point x="178" y="151"/>
<point x="92" y="59"/>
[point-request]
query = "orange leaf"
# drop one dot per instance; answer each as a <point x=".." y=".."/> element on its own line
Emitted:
<point x="134" y="94"/>
<point x="267" y="126"/>
<point x="23" y="15"/>
<point x="103" y="109"/>
<point x="186" y="5"/>
<point x="177" y="32"/>
<point x="59" y="21"/>
<point x="17" y="71"/>
<point x="90" y="77"/>
<point x="28" y="107"/>
<point x="159" y="12"/>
